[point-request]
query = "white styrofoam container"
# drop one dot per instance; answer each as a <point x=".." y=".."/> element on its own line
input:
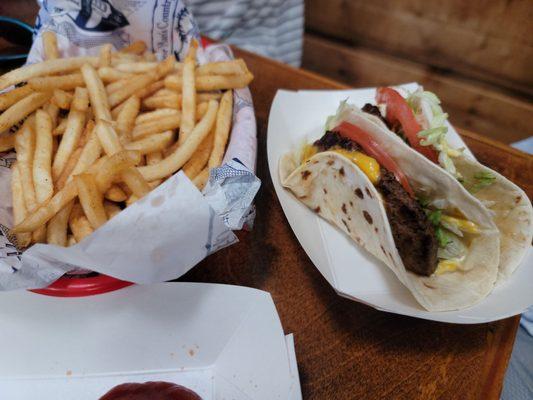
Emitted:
<point x="224" y="342"/>
<point x="300" y="116"/>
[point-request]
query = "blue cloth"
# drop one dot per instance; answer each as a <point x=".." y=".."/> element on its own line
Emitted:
<point x="272" y="28"/>
<point x="518" y="384"/>
<point x="526" y="145"/>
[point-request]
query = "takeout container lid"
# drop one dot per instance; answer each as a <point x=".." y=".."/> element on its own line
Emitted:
<point x="221" y="341"/>
<point x="300" y="116"/>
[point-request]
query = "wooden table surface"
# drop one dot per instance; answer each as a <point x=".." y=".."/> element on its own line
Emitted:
<point x="346" y="350"/>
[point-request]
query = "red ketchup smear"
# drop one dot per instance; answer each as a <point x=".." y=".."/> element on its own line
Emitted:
<point x="150" y="391"/>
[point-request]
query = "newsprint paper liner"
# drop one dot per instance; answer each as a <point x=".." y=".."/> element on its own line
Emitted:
<point x="174" y="227"/>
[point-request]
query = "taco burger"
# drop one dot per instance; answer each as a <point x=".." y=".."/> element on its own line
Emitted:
<point x="439" y="241"/>
<point x="420" y="121"/>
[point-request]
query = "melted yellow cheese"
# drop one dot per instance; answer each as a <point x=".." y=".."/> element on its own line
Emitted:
<point x="368" y="165"/>
<point x="308" y="151"/>
<point x="447" y="266"/>
<point x="462" y="224"/>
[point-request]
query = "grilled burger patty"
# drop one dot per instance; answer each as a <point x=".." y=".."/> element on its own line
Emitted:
<point x="413" y="233"/>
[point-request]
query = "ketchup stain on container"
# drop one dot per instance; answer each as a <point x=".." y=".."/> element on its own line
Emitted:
<point x="150" y="391"/>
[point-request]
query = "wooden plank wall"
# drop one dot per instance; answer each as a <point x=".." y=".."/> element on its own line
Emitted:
<point x="477" y="56"/>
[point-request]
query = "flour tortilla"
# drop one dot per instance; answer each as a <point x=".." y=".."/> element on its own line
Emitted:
<point x="510" y="207"/>
<point x="329" y="184"/>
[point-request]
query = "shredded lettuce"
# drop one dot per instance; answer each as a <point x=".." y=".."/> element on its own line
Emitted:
<point x="453" y="249"/>
<point x="448" y="237"/>
<point x="483" y="179"/>
<point x="435" y="133"/>
<point x="479" y="181"/>
<point x="331" y="121"/>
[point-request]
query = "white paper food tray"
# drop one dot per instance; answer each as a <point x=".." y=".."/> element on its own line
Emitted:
<point x="224" y="342"/>
<point x="300" y="116"/>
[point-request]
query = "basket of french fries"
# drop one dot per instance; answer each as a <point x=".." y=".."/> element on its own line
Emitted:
<point x="106" y="156"/>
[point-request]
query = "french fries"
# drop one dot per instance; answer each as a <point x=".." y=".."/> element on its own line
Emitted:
<point x="57" y="228"/>
<point x="183" y="153"/>
<point x="49" y="67"/>
<point x="109" y="74"/>
<point x="42" y="160"/>
<point x="51" y="51"/>
<point x="19" y="206"/>
<point x="112" y="166"/>
<point x="201" y="179"/>
<point x="164" y="123"/>
<point x="73" y="131"/>
<point x="200" y="158"/>
<point x="129" y="123"/>
<point x="222" y="129"/>
<point x="155" y="115"/>
<point x="97" y="93"/>
<point x="188" y="101"/>
<point x="62" y="99"/>
<point x="79" y="224"/>
<point x="7" y="99"/>
<point x="46" y="211"/>
<point x="127" y="117"/>
<point x="22" y="109"/>
<point x="153" y="143"/>
<point x="65" y="82"/>
<point x="91" y="200"/>
<point x="211" y="82"/>
<point x="25" y="148"/>
<point x="105" y="55"/>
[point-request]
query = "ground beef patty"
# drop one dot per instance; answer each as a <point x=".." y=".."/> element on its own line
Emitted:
<point x="374" y="110"/>
<point x="332" y="139"/>
<point x="413" y="233"/>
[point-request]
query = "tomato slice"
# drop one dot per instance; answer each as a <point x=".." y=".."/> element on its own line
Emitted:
<point x="362" y="138"/>
<point x="399" y="111"/>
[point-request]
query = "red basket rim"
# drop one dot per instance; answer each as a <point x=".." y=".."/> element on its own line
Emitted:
<point x="82" y="286"/>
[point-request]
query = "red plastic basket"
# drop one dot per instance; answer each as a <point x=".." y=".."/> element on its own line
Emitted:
<point x="73" y="286"/>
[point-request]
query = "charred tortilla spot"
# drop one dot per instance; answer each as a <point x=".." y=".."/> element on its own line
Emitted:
<point x="325" y="191"/>
<point x="343" y="208"/>
<point x="382" y="249"/>
<point x="368" y="192"/>
<point x="305" y="174"/>
<point x="351" y="203"/>
<point x="517" y="199"/>
<point x="367" y="217"/>
<point x="330" y="162"/>
<point x="315" y="162"/>
<point x="341" y="171"/>
<point x="317" y="210"/>
<point x="376" y="229"/>
<point x="359" y="193"/>
<point x="428" y="286"/>
<point x="346" y="225"/>
<point x="303" y="197"/>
